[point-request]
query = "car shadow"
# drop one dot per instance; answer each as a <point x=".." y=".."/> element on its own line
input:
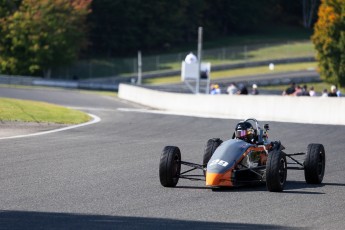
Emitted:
<point x="193" y="187"/>
<point x="245" y="188"/>
<point x="293" y="187"/>
<point x="253" y="187"/>
<point x="48" y="220"/>
<point x="334" y="184"/>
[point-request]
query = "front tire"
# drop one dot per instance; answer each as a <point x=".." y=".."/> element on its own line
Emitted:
<point x="314" y="164"/>
<point x="276" y="171"/>
<point x="170" y="166"/>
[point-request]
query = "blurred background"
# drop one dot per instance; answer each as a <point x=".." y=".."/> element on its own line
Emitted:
<point x="85" y="39"/>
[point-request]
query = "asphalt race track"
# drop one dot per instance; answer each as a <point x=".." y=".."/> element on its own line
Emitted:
<point x="105" y="175"/>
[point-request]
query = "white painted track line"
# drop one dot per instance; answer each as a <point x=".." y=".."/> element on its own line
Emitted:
<point x="95" y="119"/>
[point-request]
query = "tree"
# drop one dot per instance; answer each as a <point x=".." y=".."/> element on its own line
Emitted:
<point x="329" y="41"/>
<point x="227" y="17"/>
<point x="8" y="7"/>
<point x="122" y="27"/>
<point x="41" y="35"/>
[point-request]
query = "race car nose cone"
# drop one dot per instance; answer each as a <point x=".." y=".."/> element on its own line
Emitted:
<point x="212" y="179"/>
<point x="216" y="179"/>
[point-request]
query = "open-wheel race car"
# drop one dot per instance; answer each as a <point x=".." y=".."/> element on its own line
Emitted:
<point x="249" y="157"/>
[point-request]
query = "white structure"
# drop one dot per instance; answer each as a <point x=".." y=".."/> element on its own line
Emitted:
<point x="191" y="58"/>
<point x="189" y="71"/>
<point x="190" y="74"/>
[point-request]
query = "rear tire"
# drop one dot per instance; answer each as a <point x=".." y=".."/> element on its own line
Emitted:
<point x="170" y="166"/>
<point x="211" y="146"/>
<point x="276" y="171"/>
<point x="314" y="164"/>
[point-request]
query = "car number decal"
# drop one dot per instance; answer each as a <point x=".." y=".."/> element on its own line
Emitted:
<point x="219" y="162"/>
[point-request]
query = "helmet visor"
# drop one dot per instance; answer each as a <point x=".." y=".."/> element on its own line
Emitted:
<point x="241" y="133"/>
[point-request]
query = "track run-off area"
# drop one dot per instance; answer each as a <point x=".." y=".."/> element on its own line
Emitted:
<point x="105" y="175"/>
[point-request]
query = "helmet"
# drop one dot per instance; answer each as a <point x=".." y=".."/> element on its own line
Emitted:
<point x="245" y="131"/>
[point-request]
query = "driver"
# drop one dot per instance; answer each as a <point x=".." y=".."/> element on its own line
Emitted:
<point x="245" y="131"/>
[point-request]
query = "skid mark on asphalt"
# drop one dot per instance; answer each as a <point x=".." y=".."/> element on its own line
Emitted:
<point x="95" y="119"/>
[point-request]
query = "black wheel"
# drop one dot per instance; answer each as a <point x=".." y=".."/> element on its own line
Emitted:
<point x="276" y="171"/>
<point x="314" y="164"/>
<point x="211" y="146"/>
<point x="170" y="166"/>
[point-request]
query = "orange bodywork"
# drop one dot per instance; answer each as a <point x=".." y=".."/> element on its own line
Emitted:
<point x="224" y="179"/>
<point x="216" y="179"/>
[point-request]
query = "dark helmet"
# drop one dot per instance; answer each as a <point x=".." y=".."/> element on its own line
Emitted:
<point x="245" y="131"/>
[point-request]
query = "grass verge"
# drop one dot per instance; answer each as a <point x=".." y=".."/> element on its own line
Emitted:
<point x="240" y="72"/>
<point x="33" y="111"/>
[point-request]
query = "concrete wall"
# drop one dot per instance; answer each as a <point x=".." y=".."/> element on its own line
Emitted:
<point x="314" y="110"/>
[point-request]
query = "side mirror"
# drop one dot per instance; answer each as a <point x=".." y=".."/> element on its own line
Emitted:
<point x="267" y="127"/>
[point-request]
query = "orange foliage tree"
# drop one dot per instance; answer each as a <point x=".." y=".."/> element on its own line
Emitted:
<point x="329" y="41"/>
<point x="41" y="35"/>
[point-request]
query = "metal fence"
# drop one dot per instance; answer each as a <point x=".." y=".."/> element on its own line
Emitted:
<point x="105" y="68"/>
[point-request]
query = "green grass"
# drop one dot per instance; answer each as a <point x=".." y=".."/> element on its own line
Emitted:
<point x="245" y="54"/>
<point x="33" y="111"/>
<point x="252" y="53"/>
<point x="287" y="50"/>
<point x="240" y="72"/>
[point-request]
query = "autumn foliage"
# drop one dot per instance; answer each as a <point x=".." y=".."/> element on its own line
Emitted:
<point x="329" y="41"/>
<point x="41" y="35"/>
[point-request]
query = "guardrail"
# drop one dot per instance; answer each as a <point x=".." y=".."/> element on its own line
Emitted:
<point x="314" y="110"/>
<point x="36" y="81"/>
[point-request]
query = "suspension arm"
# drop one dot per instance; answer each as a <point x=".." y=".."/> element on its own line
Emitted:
<point x="193" y="165"/>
